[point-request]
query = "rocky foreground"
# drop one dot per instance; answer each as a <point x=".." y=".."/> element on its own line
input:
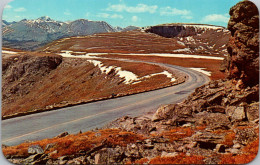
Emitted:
<point x="217" y="124"/>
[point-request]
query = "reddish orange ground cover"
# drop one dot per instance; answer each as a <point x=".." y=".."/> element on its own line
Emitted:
<point x="72" y="144"/>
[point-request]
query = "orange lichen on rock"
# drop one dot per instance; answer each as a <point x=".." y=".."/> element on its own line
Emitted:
<point x="72" y="144"/>
<point x="179" y="159"/>
<point x="178" y="133"/>
<point x="249" y="153"/>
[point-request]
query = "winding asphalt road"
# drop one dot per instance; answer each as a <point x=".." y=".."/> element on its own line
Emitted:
<point x="92" y="115"/>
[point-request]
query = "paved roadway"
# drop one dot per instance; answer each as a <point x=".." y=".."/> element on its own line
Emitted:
<point x="95" y="115"/>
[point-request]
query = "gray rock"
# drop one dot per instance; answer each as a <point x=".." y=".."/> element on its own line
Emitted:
<point x="79" y="160"/>
<point x="35" y="149"/>
<point x="97" y="158"/>
<point x="63" y="159"/>
<point x="49" y="146"/>
<point x="33" y="158"/>
<point x="238" y="115"/>
<point x="252" y="112"/>
<point x="213" y="120"/>
<point x="166" y="154"/>
<point x="230" y="110"/>
<point x="164" y="112"/>
<point x="187" y="125"/>
<point x="233" y="151"/>
<point x="62" y="135"/>
<point x="213" y="84"/>
<point x="98" y="134"/>
<point x="113" y="155"/>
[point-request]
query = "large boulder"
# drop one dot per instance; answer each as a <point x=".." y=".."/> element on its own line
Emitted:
<point x="164" y="112"/>
<point x="242" y="62"/>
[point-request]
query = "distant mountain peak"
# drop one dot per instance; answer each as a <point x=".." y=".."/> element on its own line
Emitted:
<point x="44" y="29"/>
<point x="45" y="18"/>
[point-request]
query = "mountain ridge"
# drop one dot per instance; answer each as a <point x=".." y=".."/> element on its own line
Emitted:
<point x="31" y="34"/>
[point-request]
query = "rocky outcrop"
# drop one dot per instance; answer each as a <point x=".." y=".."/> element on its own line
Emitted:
<point x="223" y="120"/>
<point x="195" y="38"/>
<point x="242" y="62"/>
<point x="217" y="107"/>
<point x="20" y="72"/>
<point x="181" y="30"/>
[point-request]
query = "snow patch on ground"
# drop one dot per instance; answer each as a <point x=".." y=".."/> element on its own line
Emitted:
<point x="190" y="38"/>
<point x="8" y="52"/>
<point x="182" y="50"/>
<point x="205" y="27"/>
<point x="67" y="53"/>
<point x="169" y="75"/>
<point x="130" y="78"/>
<point x="64" y="39"/>
<point x="181" y="43"/>
<point x="201" y="70"/>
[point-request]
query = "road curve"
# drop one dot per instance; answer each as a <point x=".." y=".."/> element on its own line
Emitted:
<point x="95" y="115"/>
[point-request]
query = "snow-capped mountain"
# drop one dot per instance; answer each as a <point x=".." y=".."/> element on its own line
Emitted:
<point x="31" y="34"/>
<point x="5" y="23"/>
<point x="118" y="28"/>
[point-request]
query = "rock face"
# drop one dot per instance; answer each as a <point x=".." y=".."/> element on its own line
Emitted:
<point x="195" y="38"/>
<point x="19" y="73"/>
<point x="242" y="62"/>
<point x="181" y="30"/>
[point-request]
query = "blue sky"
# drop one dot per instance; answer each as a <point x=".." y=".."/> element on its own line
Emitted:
<point x="124" y="12"/>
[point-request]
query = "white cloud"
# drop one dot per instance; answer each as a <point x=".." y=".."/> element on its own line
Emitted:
<point x="168" y="11"/>
<point x="103" y="15"/>
<point x="187" y="17"/>
<point x="21" y="9"/>
<point x="215" y="18"/>
<point x="135" y="18"/>
<point x="8" y="7"/>
<point x="67" y="13"/>
<point x="140" y="8"/>
<point x="113" y="16"/>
